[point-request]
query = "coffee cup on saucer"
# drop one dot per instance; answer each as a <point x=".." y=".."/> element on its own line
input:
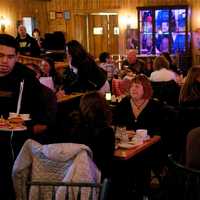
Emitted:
<point x="141" y="133"/>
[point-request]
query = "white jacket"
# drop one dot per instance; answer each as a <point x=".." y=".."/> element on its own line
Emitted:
<point x="64" y="162"/>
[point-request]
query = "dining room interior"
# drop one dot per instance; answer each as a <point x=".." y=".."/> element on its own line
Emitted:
<point x="119" y="78"/>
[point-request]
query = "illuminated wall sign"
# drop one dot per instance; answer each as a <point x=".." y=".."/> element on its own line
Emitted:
<point x="98" y="30"/>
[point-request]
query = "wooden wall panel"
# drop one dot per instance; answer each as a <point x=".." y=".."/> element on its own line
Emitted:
<point x="16" y="9"/>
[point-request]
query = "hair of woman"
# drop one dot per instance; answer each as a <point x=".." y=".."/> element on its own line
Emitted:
<point x="78" y="54"/>
<point x="94" y="109"/>
<point x="146" y="84"/>
<point x="50" y="61"/>
<point x="190" y="89"/>
<point x="160" y="62"/>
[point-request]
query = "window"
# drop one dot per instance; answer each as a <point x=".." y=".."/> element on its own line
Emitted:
<point x="163" y="29"/>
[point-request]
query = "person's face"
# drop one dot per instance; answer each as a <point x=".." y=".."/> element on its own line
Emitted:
<point x="137" y="91"/>
<point x="22" y="31"/>
<point x="131" y="57"/>
<point x="36" y="35"/>
<point x="109" y="59"/>
<point x="45" y="67"/>
<point x="8" y="58"/>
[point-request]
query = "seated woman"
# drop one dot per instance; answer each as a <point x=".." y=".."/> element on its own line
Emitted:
<point x="83" y="74"/>
<point x="193" y="148"/>
<point x="139" y="110"/>
<point x="49" y="76"/>
<point x="189" y="105"/>
<point x="162" y="71"/>
<point x="91" y="126"/>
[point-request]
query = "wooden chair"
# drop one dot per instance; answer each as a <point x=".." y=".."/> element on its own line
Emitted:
<point x="96" y="191"/>
<point x="183" y="182"/>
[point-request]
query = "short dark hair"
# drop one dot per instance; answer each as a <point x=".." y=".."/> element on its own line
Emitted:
<point x="8" y="40"/>
<point x="103" y="56"/>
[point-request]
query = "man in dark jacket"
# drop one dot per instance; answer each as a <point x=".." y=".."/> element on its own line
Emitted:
<point x="12" y="74"/>
<point x="134" y="64"/>
<point x="27" y="45"/>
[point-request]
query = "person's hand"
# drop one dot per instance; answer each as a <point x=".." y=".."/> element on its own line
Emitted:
<point x="60" y="94"/>
<point x="39" y="128"/>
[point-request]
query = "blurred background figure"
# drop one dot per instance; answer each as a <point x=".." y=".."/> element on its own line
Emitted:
<point x="38" y="38"/>
<point x="49" y="74"/>
<point x="162" y="71"/>
<point x="83" y="74"/>
<point x="134" y="64"/>
<point x="27" y="45"/>
<point x="106" y="63"/>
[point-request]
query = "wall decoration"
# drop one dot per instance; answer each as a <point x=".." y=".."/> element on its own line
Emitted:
<point x="59" y="15"/>
<point x="116" y="30"/>
<point x="98" y="31"/>
<point x="66" y="15"/>
<point x="131" y="38"/>
<point x="52" y="15"/>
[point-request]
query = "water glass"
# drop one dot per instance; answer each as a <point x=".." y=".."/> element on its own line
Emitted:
<point x="121" y="133"/>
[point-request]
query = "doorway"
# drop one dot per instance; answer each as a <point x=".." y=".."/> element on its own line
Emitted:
<point x="103" y="33"/>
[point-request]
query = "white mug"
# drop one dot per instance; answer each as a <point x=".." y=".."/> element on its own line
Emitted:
<point x="141" y="133"/>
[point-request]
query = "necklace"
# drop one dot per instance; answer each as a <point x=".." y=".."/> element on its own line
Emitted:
<point x="139" y="106"/>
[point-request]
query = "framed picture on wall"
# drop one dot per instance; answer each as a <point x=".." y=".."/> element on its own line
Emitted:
<point x="59" y="15"/>
<point x="97" y="30"/>
<point x="66" y="15"/>
<point x="52" y="15"/>
<point x="131" y="38"/>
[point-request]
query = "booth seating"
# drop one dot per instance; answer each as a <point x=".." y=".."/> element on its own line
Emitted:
<point x="166" y="91"/>
<point x="28" y="59"/>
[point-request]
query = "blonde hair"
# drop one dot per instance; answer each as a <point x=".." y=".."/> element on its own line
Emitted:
<point x="160" y="62"/>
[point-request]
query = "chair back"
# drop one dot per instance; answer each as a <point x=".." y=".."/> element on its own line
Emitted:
<point x="166" y="91"/>
<point x="183" y="182"/>
<point x="63" y="163"/>
<point x="97" y="191"/>
<point x="120" y="87"/>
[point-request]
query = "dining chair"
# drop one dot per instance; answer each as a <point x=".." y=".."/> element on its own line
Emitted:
<point x="57" y="164"/>
<point x="97" y="191"/>
<point x="183" y="182"/>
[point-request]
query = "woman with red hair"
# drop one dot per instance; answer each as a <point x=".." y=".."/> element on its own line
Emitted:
<point x="138" y="110"/>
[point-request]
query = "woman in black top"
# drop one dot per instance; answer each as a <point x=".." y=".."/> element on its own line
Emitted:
<point x="83" y="74"/>
<point x="139" y="110"/>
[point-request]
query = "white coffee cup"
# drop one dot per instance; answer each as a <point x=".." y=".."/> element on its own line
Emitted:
<point x="141" y="133"/>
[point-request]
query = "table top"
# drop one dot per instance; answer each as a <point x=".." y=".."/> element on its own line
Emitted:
<point x="68" y="97"/>
<point x="125" y="154"/>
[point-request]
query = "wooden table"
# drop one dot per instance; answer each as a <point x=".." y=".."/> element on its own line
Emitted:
<point x="125" y="154"/>
<point x="68" y="97"/>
